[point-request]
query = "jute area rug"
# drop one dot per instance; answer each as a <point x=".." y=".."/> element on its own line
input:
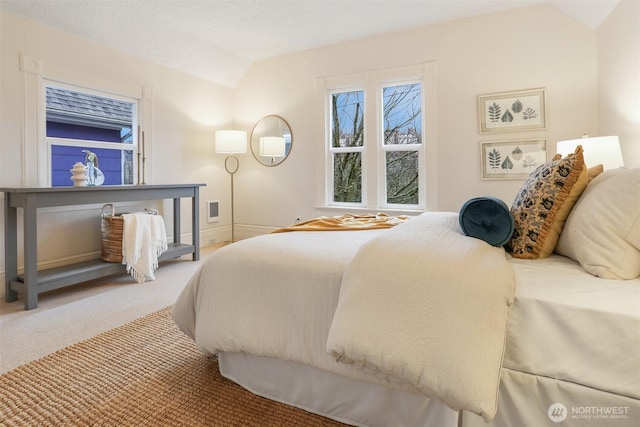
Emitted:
<point x="145" y="373"/>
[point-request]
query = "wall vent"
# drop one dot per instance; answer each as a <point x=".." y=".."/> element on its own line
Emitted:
<point x="213" y="211"/>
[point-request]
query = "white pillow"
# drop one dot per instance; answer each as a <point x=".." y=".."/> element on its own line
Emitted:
<point x="602" y="231"/>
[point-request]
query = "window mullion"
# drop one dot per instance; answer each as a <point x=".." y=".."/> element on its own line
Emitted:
<point x="89" y="143"/>
<point x="346" y="149"/>
<point x="371" y="176"/>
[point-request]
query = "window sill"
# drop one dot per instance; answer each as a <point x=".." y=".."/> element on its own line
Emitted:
<point x="352" y="209"/>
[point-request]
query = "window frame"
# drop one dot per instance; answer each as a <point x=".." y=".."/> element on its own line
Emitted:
<point x="337" y="150"/>
<point x="385" y="148"/>
<point x="74" y="142"/>
<point x="374" y="155"/>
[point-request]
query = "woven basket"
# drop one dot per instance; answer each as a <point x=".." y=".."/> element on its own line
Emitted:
<point x="111" y="228"/>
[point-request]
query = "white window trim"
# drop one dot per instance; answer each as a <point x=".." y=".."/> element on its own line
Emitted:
<point x="35" y="149"/>
<point x="373" y="194"/>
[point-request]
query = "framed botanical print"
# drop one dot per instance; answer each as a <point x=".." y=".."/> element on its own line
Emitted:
<point x="512" y="111"/>
<point x="512" y="159"/>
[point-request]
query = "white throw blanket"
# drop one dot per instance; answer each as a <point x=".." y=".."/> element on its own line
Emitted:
<point x="144" y="238"/>
<point x="428" y="306"/>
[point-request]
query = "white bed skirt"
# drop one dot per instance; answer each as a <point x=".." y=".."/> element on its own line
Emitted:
<point x="333" y="396"/>
<point x="531" y="400"/>
<point x="524" y="399"/>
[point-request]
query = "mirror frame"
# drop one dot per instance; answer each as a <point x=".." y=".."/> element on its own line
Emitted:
<point x="254" y="140"/>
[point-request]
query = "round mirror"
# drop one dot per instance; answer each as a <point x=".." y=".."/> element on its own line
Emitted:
<point x="271" y="140"/>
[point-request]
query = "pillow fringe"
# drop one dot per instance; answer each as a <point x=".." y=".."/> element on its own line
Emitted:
<point x="577" y="170"/>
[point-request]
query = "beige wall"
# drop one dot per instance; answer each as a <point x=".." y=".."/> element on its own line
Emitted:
<point x="519" y="49"/>
<point x="619" y="79"/>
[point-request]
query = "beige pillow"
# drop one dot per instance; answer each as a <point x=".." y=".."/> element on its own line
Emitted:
<point x="543" y="204"/>
<point x="593" y="172"/>
<point x="602" y="232"/>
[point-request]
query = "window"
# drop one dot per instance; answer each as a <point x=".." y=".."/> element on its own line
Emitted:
<point x="376" y="144"/>
<point x="402" y="118"/>
<point x="84" y="126"/>
<point x="347" y="143"/>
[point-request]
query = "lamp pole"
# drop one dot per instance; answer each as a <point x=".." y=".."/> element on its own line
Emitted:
<point x="232" y="171"/>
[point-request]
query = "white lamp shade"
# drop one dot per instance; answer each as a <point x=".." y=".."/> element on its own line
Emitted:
<point x="231" y="141"/>
<point x="602" y="150"/>
<point x="272" y="146"/>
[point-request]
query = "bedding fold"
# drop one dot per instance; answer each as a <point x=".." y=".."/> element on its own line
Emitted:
<point x="428" y="306"/>
<point x="346" y="222"/>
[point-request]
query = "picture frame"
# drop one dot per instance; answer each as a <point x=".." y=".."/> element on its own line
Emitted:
<point x="514" y="159"/>
<point x="513" y="111"/>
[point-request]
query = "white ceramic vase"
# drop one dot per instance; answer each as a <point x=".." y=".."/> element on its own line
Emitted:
<point x="79" y="175"/>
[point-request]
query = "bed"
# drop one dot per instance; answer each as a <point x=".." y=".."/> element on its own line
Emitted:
<point x="491" y="336"/>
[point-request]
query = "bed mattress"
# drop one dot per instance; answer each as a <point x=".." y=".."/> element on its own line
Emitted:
<point x="569" y="325"/>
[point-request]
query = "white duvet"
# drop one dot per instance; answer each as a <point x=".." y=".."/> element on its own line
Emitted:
<point x="272" y="295"/>
<point x="276" y="296"/>
<point x="428" y="306"/>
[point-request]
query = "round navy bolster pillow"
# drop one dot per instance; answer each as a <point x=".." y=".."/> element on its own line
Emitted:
<point x="487" y="218"/>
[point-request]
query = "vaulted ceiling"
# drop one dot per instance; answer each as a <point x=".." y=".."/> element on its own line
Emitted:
<point x="218" y="39"/>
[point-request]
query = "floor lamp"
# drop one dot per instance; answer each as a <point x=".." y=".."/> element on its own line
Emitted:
<point x="231" y="142"/>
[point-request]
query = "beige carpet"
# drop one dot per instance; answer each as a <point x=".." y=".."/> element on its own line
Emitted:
<point x="144" y="373"/>
<point x="69" y="315"/>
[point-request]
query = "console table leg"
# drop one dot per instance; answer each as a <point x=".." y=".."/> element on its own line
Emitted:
<point x="177" y="238"/>
<point x="30" y="253"/>
<point x="10" y="249"/>
<point x="195" y="221"/>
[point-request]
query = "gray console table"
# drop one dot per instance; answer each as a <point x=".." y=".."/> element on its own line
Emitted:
<point x="33" y="282"/>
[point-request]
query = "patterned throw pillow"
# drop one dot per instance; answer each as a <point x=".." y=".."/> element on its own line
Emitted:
<point x="543" y="204"/>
